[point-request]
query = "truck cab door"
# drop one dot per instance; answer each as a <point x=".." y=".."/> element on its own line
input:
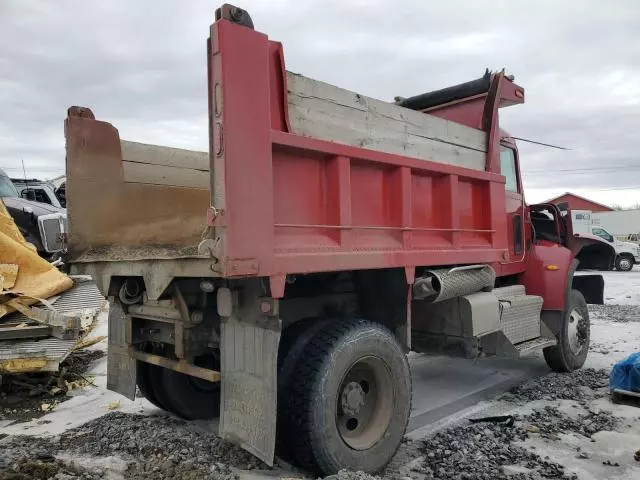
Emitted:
<point x="514" y="208"/>
<point x="551" y="223"/>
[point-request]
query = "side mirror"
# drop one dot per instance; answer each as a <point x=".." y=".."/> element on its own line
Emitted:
<point x="28" y="194"/>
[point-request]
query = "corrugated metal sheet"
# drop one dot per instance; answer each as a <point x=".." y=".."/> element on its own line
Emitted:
<point x="16" y="356"/>
<point x="84" y="298"/>
<point x="49" y="348"/>
<point x="83" y="295"/>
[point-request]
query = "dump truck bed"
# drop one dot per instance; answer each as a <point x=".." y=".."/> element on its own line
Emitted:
<point x="302" y="176"/>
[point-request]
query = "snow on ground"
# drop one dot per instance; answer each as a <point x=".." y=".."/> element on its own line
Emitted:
<point x="615" y="333"/>
<point x="622" y="288"/>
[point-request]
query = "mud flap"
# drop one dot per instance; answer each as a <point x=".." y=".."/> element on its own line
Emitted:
<point x="591" y="287"/>
<point x="121" y="368"/>
<point x="249" y="363"/>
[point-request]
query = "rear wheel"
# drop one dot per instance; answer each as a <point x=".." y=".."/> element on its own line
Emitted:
<point x="573" y="338"/>
<point x="350" y="398"/>
<point x="293" y="343"/>
<point x="144" y="380"/>
<point x="187" y="397"/>
<point x="624" y="263"/>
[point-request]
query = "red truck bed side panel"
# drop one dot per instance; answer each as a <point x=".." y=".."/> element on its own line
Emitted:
<point x="285" y="203"/>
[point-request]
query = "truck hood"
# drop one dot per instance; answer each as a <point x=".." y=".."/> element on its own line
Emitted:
<point x="38" y="208"/>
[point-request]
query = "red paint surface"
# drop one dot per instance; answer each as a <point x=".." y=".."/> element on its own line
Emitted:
<point x="296" y="204"/>
<point x="549" y="284"/>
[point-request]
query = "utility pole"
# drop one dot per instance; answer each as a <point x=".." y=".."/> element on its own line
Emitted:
<point x="24" y="172"/>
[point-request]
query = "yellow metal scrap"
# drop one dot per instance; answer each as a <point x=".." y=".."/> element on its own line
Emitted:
<point x="23" y="273"/>
<point x="9" y="228"/>
<point x="22" y="365"/>
<point x="8" y="275"/>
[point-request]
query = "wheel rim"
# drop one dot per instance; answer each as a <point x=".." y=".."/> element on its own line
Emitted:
<point x="365" y="403"/>
<point x="576" y="331"/>
<point x="625" y="264"/>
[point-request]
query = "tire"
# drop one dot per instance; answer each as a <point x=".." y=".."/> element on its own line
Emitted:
<point x="143" y="380"/>
<point x="292" y="346"/>
<point x="624" y="263"/>
<point x="191" y="398"/>
<point x="292" y="342"/>
<point x="573" y="339"/>
<point x="185" y="396"/>
<point x="350" y="398"/>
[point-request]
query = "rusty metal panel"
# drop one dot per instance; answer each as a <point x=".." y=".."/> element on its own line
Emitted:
<point x="111" y="218"/>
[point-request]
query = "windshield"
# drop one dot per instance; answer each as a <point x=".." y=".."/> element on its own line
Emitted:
<point x="7" y="188"/>
<point x="602" y="233"/>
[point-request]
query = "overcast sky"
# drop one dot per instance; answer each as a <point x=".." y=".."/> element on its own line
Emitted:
<point x="142" y="66"/>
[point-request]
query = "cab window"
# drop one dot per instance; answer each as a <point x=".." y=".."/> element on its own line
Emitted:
<point x="602" y="233"/>
<point x="508" y="168"/>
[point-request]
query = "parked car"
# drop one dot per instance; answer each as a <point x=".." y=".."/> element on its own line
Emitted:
<point x="41" y="191"/>
<point x="42" y="224"/>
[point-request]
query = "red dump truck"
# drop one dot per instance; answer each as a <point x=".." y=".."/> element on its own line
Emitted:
<point x="280" y="279"/>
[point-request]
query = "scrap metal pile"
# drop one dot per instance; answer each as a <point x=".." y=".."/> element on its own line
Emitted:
<point x="44" y="313"/>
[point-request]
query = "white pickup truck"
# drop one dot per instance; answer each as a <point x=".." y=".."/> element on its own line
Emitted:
<point x="627" y="253"/>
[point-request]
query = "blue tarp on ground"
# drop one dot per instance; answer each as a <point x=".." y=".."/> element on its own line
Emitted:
<point x="625" y="374"/>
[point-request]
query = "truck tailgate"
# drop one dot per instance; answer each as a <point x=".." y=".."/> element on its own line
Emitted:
<point x="131" y="201"/>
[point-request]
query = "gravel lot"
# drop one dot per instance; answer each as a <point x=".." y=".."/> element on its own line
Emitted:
<point x="616" y="313"/>
<point x="157" y="446"/>
<point x="163" y="447"/>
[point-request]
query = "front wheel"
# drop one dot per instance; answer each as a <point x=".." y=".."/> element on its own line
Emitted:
<point x="350" y="398"/>
<point x="624" y="263"/>
<point x="573" y="338"/>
